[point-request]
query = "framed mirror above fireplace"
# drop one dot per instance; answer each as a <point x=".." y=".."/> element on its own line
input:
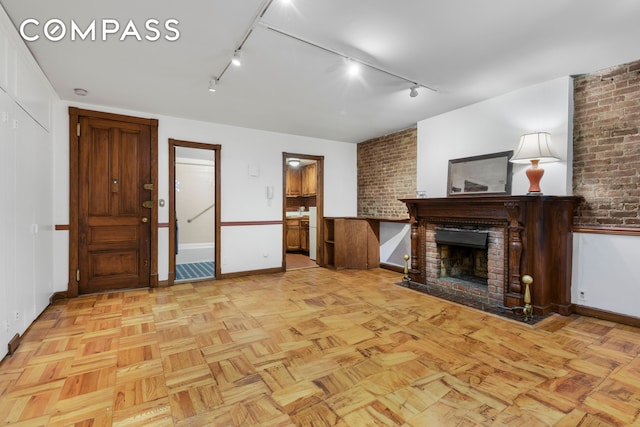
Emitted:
<point x="488" y="174"/>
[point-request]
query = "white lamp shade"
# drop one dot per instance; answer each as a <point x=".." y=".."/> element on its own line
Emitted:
<point x="534" y="146"/>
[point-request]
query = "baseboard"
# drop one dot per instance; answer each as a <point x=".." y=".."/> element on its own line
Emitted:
<point x="606" y="315"/>
<point x="251" y="273"/>
<point x="13" y="344"/>
<point x="57" y="296"/>
<point x="396" y="268"/>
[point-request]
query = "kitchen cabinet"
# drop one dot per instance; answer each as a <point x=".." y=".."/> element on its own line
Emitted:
<point x="301" y="181"/>
<point x="293" y="184"/>
<point x="293" y="234"/>
<point x="304" y="234"/>
<point x="297" y="234"/>
<point x="351" y="243"/>
<point x="308" y="180"/>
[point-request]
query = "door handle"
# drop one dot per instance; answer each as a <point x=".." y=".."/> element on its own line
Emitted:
<point x="145" y="219"/>
<point x="147" y="204"/>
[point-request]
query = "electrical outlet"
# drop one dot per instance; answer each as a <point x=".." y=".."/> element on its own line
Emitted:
<point x="582" y="294"/>
<point x="17" y="315"/>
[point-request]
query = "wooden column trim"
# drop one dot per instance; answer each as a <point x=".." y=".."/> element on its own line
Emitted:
<point x="515" y="247"/>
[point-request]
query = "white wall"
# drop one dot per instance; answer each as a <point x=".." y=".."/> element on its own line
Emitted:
<point x="395" y="242"/>
<point x="243" y="196"/>
<point x="495" y="125"/>
<point x="195" y="195"/>
<point x="605" y="272"/>
<point x="26" y="193"/>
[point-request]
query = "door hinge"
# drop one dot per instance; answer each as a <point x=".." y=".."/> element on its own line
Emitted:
<point x="77" y="275"/>
<point x="78" y="129"/>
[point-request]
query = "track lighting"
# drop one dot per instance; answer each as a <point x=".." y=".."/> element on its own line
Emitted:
<point x="213" y="84"/>
<point x="353" y="67"/>
<point x="236" y="58"/>
<point x="354" y="62"/>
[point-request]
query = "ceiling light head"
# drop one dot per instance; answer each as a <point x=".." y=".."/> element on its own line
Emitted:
<point x="213" y="85"/>
<point x="353" y="68"/>
<point x="414" y="91"/>
<point x="80" y="92"/>
<point x="293" y="162"/>
<point x="236" y="58"/>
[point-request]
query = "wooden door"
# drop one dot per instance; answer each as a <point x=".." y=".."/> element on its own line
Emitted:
<point x="114" y="225"/>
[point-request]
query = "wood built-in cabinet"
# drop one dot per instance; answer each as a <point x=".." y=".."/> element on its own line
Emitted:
<point x="304" y="234"/>
<point x="293" y="234"/>
<point x="301" y="181"/>
<point x="297" y="234"/>
<point x="308" y="180"/>
<point x="351" y="243"/>
<point x="293" y="184"/>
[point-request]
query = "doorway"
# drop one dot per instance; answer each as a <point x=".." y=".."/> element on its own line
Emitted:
<point x="303" y="207"/>
<point x="113" y="224"/>
<point x="194" y="211"/>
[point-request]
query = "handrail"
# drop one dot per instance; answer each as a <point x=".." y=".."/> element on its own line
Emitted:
<point x="201" y="213"/>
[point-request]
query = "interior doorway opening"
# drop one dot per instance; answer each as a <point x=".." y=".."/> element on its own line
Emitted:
<point x="302" y="210"/>
<point x="194" y="211"/>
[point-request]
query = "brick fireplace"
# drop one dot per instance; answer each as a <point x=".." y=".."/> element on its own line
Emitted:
<point x="524" y="235"/>
<point x="474" y="272"/>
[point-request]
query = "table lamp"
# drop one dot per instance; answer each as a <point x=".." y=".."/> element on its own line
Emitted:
<point x="535" y="148"/>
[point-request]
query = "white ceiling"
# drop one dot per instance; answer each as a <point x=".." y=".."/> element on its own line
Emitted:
<point x="469" y="50"/>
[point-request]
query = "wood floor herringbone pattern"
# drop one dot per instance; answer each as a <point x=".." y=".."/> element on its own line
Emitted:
<point x="313" y="347"/>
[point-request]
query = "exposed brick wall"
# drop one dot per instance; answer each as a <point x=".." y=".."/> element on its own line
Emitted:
<point x="606" y="146"/>
<point x="387" y="172"/>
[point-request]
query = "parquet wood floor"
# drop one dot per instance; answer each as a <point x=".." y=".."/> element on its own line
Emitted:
<point x="298" y="260"/>
<point x="313" y="347"/>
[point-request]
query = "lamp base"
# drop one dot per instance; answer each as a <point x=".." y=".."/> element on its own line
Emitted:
<point x="534" y="173"/>
<point x="534" y="193"/>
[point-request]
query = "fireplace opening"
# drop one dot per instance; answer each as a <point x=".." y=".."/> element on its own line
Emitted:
<point x="463" y="256"/>
<point x="464" y="264"/>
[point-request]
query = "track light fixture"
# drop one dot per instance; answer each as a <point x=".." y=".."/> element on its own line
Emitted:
<point x="213" y="84"/>
<point x="353" y="68"/>
<point x="414" y="91"/>
<point x="236" y="58"/>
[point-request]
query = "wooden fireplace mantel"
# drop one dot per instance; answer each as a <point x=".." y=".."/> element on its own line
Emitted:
<point x="538" y="241"/>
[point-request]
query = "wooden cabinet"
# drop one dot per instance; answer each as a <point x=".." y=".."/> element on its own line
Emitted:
<point x="304" y="234"/>
<point x="301" y="181"/>
<point x="297" y="234"/>
<point x="293" y="234"/>
<point x="293" y="184"/>
<point x="351" y="243"/>
<point x="308" y="180"/>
